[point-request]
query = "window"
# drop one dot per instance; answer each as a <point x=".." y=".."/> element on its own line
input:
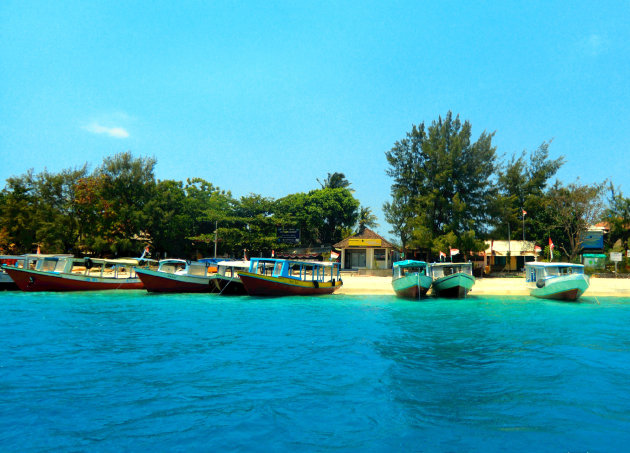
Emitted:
<point x="379" y="254"/>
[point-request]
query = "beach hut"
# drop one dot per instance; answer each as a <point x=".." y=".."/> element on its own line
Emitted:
<point x="365" y="250"/>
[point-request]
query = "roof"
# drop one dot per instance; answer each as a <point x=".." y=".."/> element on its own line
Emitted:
<point x="410" y="263"/>
<point x="546" y="264"/>
<point x="365" y="234"/>
<point x="514" y="247"/>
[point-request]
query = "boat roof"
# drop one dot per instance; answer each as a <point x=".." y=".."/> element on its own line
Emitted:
<point x="545" y="264"/>
<point x="233" y="263"/>
<point x="448" y="264"/>
<point x="312" y="263"/>
<point x="410" y="263"/>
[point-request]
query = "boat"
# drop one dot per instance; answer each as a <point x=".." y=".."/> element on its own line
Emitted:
<point x="6" y="282"/>
<point x="281" y="277"/>
<point x="451" y="279"/>
<point x="178" y="276"/>
<point x="57" y="273"/>
<point x="27" y="261"/>
<point x="410" y="279"/>
<point x="227" y="279"/>
<point x="560" y="281"/>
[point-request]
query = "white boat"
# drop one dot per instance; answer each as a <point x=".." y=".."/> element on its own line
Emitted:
<point x="451" y="279"/>
<point x="410" y="279"/>
<point x="178" y="276"/>
<point x="28" y="261"/>
<point x="58" y="273"/>
<point x="560" y="281"/>
<point x="227" y="280"/>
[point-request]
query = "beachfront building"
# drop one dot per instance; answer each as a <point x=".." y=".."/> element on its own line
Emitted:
<point x="365" y="250"/>
<point x="505" y="256"/>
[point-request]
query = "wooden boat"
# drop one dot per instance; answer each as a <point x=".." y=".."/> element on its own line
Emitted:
<point x="451" y="279"/>
<point x="27" y="261"/>
<point x="227" y="279"/>
<point x="560" y="281"/>
<point x="279" y="277"/>
<point x="6" y="282"/>
<point x="410" y="279"/>
<point x="77" y="274"/>
<point x="178" y="276"/>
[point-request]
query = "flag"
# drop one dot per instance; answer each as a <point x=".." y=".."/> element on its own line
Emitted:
<point x="145" y="252"/>
<point x="334" y="255"/>
<point x="273" y="253"/>
<point x="454" y="252"/>
<point x="551" y="248"/>
<point x="38" y="251"/>
<point x="442" y="254"/>
<point x="537" y="249"/>
<point x="524" y="212"/>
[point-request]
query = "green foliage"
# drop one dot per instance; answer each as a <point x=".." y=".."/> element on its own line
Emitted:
<point x="618" y="217"/>
<point x="443" y="184"/>
<point x="523" y="185"/>
<point x="366" y="219"/>
<point x="572" y="210"/>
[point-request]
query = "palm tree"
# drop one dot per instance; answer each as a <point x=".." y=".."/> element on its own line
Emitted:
<point x="366" y="219"/>
<point x="335" y="181"/>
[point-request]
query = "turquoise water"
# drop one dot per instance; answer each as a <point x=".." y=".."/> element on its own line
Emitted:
<point x="131" y="371"/>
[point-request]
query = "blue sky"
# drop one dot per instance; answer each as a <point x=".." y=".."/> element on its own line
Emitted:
<point x="266" y="97"/>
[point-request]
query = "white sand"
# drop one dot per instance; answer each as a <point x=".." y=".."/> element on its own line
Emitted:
<point x="355" y="285"/>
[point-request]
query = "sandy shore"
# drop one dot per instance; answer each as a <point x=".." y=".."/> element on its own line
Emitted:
<point x="368" y="285"/>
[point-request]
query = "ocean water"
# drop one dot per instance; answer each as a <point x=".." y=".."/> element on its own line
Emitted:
<point x="129" y="371"/>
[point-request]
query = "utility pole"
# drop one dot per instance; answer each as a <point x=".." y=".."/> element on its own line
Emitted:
<point x="216" y="227"/>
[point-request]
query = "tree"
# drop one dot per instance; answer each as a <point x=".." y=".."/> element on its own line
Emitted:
<point x="128" y="184"/>
<point x="443" y="183"/>
<point x="618" y="216"/>
<point x="366" y="219"/>
<point x="574" y="209"/>
<point x="335" y="181"/>
<point x="523" y="184"/>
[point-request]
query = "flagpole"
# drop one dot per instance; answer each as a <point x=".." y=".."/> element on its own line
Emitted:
<point x="523" y="226"/>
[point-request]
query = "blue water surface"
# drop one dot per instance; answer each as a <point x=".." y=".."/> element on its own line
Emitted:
<point x="129" y="371"/>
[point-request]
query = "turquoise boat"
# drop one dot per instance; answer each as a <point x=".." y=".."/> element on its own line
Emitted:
<point x="559" y="281"/>
<point x="451" y="279"/>
<point x="410" y="279"/>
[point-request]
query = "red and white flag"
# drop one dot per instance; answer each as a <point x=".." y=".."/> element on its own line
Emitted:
<point x="38" y="250"/>
<point x="442" y="254"/>
<point x="454" y="252"/>
<point x="537" y="249"/>
<point x="524" y="212"/>
<point x="334" y="255"/>
<point x="551" y="247"/>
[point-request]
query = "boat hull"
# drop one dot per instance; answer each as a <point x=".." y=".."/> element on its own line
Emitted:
<point x="229" y="286"/>
<point x="453" y="286"/>
<point x="31" y="280"/>
<point x="262" y="285"/>
<point x="568" y="287"/>
<point x="162" y="282"/>
<point x="412" y="286"/>
<point x="6" y="282"/>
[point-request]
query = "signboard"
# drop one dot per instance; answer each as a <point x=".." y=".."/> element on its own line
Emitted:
<point x="364" y="242"/>
<point x="288" y="235"/>
<point x="615" y="257"/>
<point x="592" y="240"/>
<point x="628" y="253"/>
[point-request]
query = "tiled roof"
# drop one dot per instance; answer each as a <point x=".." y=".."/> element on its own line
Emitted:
<point x="366" y="234"/>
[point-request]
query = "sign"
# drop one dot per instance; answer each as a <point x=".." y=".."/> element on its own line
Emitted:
<point x="615" y="257"/>
<point x="628" y="253"/>
<point x="364" y="242"/>
<point x="288" y="235"/>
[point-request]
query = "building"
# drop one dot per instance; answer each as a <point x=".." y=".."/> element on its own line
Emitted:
<point x="503" y="256"/>
<point x="365" y="250"/>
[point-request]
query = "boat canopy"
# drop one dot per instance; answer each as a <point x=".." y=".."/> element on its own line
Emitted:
<point x="537" y="270"/>
<point x="298" y="270"/>
<point x="410" y="263"/>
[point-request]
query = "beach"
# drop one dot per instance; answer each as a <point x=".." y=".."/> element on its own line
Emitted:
<point x="372" y="285"/>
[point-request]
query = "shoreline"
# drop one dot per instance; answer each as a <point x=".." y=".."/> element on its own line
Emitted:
<point x="374" y="286"/>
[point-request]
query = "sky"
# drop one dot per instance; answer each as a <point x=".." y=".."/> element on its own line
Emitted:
<point x="266" y="97"/>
